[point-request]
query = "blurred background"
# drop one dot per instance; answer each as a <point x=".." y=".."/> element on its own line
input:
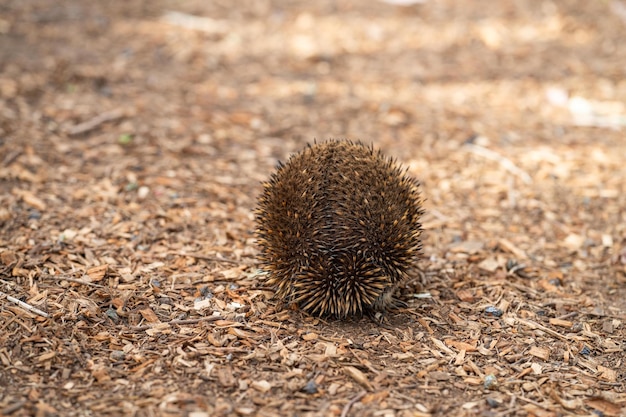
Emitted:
<point x="507" y="110"/>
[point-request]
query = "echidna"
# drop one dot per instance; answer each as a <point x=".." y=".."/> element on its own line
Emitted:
<point x="338" y="226"/>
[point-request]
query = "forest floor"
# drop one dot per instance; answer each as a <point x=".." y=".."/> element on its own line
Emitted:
<point x="134" y="137"/>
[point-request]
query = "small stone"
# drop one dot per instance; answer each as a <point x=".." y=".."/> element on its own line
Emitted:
<point x="493" y="311"/>
<point x="112" y="314"/>
<point x="118" y="355"/>
<point x="310" y="387"/>
<point x="143" y="192"/>
<point x="493" y="403"/>
<point x="491" y="382"/>
<point x="607" y="327"/>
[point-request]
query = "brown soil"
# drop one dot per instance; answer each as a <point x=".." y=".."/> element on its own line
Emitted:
<point x="133" y="142"/>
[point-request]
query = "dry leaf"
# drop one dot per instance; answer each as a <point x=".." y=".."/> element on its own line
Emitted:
<point x="468" y="347"/>
<point x="149" y="315"/>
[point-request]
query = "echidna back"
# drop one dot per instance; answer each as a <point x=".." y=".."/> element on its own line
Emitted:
<point x="338" y="228"/>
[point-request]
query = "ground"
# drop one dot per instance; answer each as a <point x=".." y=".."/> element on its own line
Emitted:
<point x="134" y="137"/>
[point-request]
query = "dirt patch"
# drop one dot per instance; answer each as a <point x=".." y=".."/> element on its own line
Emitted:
<point x="133" y="140"/>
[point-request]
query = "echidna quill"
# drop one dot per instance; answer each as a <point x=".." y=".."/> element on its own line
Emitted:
<point x="338" y="226"/>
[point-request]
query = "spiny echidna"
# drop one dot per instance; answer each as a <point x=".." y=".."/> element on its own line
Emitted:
<point x="338" y="226"/>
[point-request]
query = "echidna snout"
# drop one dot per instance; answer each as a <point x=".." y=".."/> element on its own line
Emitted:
<point x="338" y="226"/>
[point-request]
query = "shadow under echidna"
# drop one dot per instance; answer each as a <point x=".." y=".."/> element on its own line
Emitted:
<point x="338" y="226"/>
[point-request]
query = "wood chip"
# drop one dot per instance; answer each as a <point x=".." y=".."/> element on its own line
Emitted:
<point x="46" y="356"/>
<point x="97" y="273"/>
<point x="261" y="386"/>
<point x="489" y="265"/>
<point x="607" y="374"/>
<point x="561" y="323"/>
<point x="440" y="345"/>
<point x="469" y="247"/>
<point x="8" y="257"/>
<point x="540" y="352"/>
<point x="358" y="377"/>
<point x="508" y="246"/>
<point x="607" y="407"/>
<point x="30" y="199"/>
<point x="465" y="295"/>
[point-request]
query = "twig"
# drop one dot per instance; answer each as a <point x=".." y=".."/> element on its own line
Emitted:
<point x="11" y="156"/>
<point x="504" y="162"/>
<point x="568" y="315"/>
<point x="175" y="322"/>
<point x="24" y="305"/>
<point x="207" y="258"/>
<point x="7" y="324"/>
<point x="78" y="281"/>
<point x="541" y="327"/>
<point x="353" y="401"/>
<point x="535" y="403"/>
<point x="510" y="408"/>
<point x="11" y="408"/>
<point x="95" y="122"/>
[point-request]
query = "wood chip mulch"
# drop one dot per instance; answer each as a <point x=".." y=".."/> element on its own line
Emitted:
<point x="134" y="136"/>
